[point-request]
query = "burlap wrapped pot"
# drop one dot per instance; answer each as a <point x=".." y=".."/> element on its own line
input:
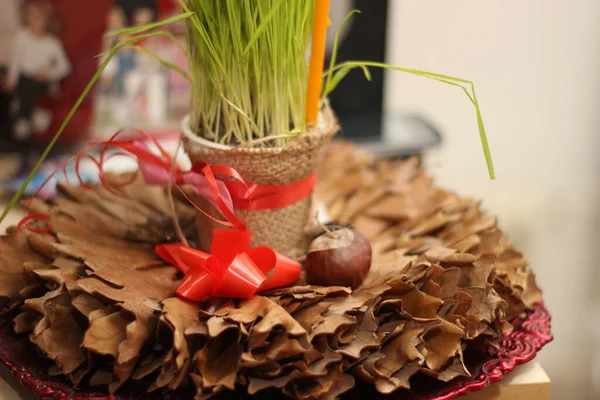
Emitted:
<point x="281" y="229"/>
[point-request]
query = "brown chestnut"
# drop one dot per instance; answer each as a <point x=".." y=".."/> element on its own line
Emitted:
<point x="338" y="258"/>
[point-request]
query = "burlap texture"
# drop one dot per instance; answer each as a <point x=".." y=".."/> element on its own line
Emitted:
<point x="281" y="229"/>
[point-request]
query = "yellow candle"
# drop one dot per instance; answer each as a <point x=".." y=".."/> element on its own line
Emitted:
<point x="317" y="60"/>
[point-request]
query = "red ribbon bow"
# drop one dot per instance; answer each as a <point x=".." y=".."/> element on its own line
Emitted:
<point x="232" y="269"/>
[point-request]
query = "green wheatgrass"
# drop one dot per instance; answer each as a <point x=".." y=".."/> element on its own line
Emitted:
<point x="248" y="68"/>
<point x="248" y="72"/>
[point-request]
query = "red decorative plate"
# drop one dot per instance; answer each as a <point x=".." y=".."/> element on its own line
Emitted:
<point x="487" y="366"/>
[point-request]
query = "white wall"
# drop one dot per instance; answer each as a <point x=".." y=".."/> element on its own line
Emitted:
<point x="536" y="66"/>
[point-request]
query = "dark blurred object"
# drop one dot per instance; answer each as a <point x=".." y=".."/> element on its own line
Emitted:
<point x="130" y="6"/>
<point x="161" y="8"/>
<point x="359" y="103"/>
<point x="5" y="118"/>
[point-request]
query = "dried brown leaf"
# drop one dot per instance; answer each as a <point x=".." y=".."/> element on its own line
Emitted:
<point x="61" y="341"/>
<point x="359" y="201"/>
<point x="86" y="304"/>
<point x="105" y="334"/>
<point x="178" y="315"/>
<point x="442" y="343"/>
<point x="43" y="244"/>
<point x="26" y="321"/>
<point x="97" y="257"/>
<point x="369" y="226"/>
<point x="14" y="253"/>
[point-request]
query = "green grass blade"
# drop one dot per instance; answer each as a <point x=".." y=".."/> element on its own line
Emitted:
<point x="339" y="76"/>
<point x="239" y="110"/>
<point x="132" y="40"/>
<point x="333" y="82"/>
<point x="134" y="30"/>
<point x="263" y="26"/>
<point x="209" y="44"/>
<point x="163" y="62"/>
<point x="459" y="85"/>
<point x="450" y="80"/>
<point x="484" y="140"/>
<point x="334" y="53"/>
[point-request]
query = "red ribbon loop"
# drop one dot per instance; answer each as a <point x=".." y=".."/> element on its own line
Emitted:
<point x="270" y="197"/>
<point x="231" y="270"/>
<point x="226" y="195"/>
<point x="209" y="172"/>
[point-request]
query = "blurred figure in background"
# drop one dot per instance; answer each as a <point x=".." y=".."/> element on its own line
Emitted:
<point x="136" y="88"/>
<point x="178" y="87"/>
<point x="146" y="85"/>
<point x="125" y="61"/>
<point x="9" y="27"/>
<point x="111" y="85"/>
<point x="38" y="62"/>
<point x="155" y="78"/>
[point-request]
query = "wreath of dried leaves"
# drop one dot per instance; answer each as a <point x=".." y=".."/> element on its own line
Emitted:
<point x="94" y="298"/>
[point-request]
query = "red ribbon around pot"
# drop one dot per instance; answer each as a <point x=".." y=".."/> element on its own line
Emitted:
<point x="226" y="195"/>
<point x="232" y="269"/>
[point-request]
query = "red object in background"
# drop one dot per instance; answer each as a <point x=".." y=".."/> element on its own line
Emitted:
<point x="82" y="26"/>
<point x="167" y="8"/>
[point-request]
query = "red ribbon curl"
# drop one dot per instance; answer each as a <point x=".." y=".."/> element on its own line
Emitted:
<point x="231" y="270"/>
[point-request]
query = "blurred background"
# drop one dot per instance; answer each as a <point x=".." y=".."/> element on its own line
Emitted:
<point x="537" y="72"/>
<point x="536" y="68"/>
